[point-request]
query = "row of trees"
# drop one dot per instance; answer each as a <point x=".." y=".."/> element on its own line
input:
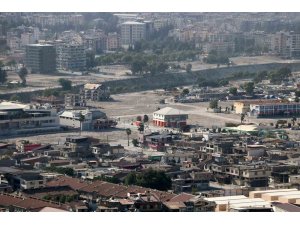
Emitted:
<point x="142" y="67"/>
<point x="214" y="58"/>
<point x="275" y="77"/>
<point x="127" y="58"/>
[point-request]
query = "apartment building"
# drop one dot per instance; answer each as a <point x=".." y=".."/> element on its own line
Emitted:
<point x="96" y="42"/>
<point x="71" y="57"/>
<point x="74" y="100"/>
<point x="40" y="58"/>
<point x="132" y="32"/>
<point x="31" y="181"/>
<point x="95" y="92"/>
<point x="243" y="175"/>
<point x="113" y="41"/>
<point x="286" y="44"/>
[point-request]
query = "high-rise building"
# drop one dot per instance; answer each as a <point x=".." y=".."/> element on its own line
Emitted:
<point x="71" y="56"/>
<point x="132" y="32"/>
<point x="295" y="45"/>
<point x="40" y="58"/>
<point x="286" y="44"/>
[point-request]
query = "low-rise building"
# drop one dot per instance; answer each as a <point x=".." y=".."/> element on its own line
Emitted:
<point x="72" y="118"/>
<point x="31" y="181"/>
<point x="169" y="117"/>
<point x="74" y="100"/>
<point x="16" y="118"/>
<point x="271" y="109"/>
<point x="95" y="92"/>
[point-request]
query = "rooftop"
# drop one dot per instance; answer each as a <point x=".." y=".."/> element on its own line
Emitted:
<point x="286" y="207"/>
<point x="92" y="86"/>
<point x="11" y="106"/>
<point x="170" y="111"/>
<point x="39" y="45"/>
<point x="133" y="23"/>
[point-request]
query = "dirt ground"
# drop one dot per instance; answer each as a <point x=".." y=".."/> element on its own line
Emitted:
<point x="126" y="107"/>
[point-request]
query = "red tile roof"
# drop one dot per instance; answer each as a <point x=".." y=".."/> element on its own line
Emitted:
<point x="107" y="189"/>
<point x="67" y="181"/>
<point x="7" y="200"/>
<point x="28" y="204"/>
<point x="183" y="197"/>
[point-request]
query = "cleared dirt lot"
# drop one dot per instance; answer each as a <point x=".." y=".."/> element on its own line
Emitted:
<point x="126" y="107"/>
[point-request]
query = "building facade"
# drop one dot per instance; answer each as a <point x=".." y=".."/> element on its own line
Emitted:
<point x="74" y="100"/>
<point x="71" y="119"/>
<point x="40" y="58"/>
<point x="132" y="32"/>
<point x="71" y="57"/>
<point x="169" y="117"/>
<point x="275" y="109"/>
<point x="95" y="92"/>
<point x="113" y="41"/>
<point x="19" y="118"/>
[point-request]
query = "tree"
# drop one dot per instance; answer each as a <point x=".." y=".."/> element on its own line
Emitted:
<point x="49" y="92"/>
<point x="278" y="76"/>
<point x="188" y="68"/>
<point x="81" y="119"/>
<point x="135" y="142"/>
<point x="260" y="76"/>
<point x="242" y="117"/>
<point x="223" y="82"/>
<point x="185" y="91"/>
<point x="249" y="88"/>
<point x="141" y="127"/>
<point x="23" y="74"/>
<point x="15" y="98"/>
<point x="150" y="179"/>
<point x="3" y="76"/>
<point x="61" y="170"/>
<point x="213" y="104"/>
<point x="145" y="119"/>
<point x="294" y="119"/>
<point x="65" y="84"/>
<point x="130" y="179"/>
<point x="138" y="66"/>
<point x="233" y="90"/>
<point x="128" y="132"/>
<point x="11" y="63"/>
